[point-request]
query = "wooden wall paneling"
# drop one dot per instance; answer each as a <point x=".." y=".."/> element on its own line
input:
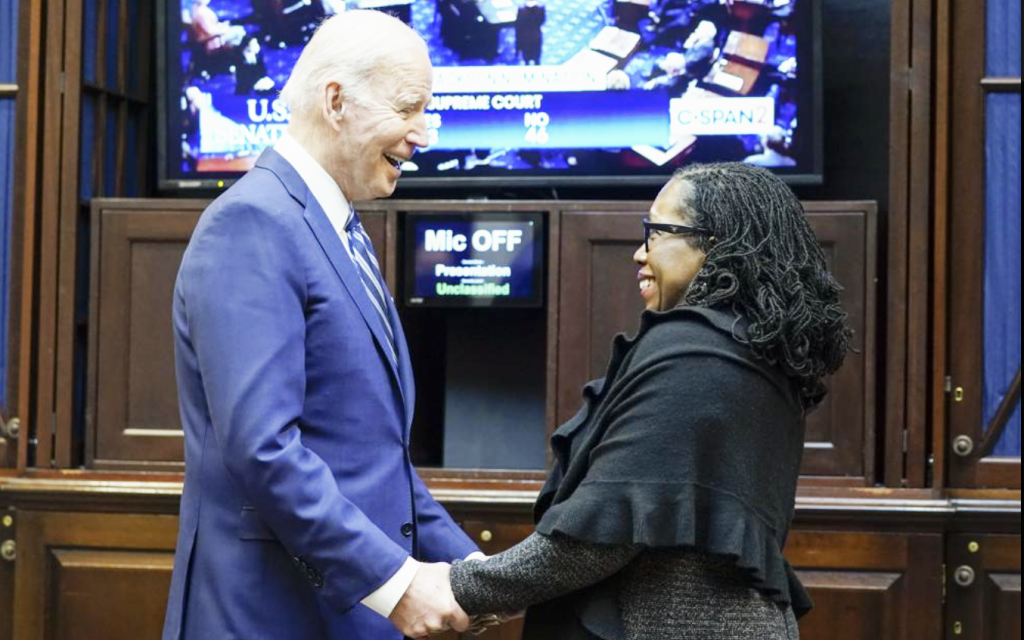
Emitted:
<point x="92" y="368"/>
<point x="8" y="448"/>
<point x="983" y="586"/>
<point x="132" y="416"/>
<point x="869" y="585"/>
<point x="598" y="296"/>
<point x="841" y="436"/>
<point x="908" y="340"/>
<point x="85" y="581"/>
<point x="92" y="575"/>
<point x="592" y="296"/>
<point x="137" y="245"/>
<point x="940" y="239"/>
<point x="599" y="299"/>
<point x="919" y="175"/>
<point x="51" y="181"/>
<point x="28" y="136"/>
<point x="64" y="374"/>
<point x="392" y="250"/>
<point x="831" y="442"/>
<point x="7" y="532"/>
<point x="966" y="268"/>
<point x="966" y="254"/>
<point x="873" y="374"/>
<point x="56" y="349"/>
<point x="553" y="293"/>
<point x="896" y="284"/>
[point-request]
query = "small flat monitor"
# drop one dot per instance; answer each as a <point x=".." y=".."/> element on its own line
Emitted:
<point x="480" y="259"/>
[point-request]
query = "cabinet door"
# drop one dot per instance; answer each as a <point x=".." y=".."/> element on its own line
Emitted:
<point x="132" y="417"/>
<point x="92" y="575"/>
<point x="867" y="586"/>
<point x="132" y="404"/>
<point x="983" y="587"/>
<point x="599" y="298"/>
<point x="983" y="260"/>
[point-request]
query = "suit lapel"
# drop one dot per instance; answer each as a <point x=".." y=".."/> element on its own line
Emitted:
<point x="346" y="270"/>
<point x="404" y="365"/>
<point x="332" y="246"/>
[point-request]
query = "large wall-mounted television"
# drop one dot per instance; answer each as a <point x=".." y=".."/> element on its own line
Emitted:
<point x="482" y="259"/>
<point x="563" y="92"/>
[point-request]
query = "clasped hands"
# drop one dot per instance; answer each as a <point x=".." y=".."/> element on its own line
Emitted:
<point x="429" y="606"/>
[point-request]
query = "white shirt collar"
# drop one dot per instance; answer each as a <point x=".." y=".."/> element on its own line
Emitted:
<point x="320" y="183"/>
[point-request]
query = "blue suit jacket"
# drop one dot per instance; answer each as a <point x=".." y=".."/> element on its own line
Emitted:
<point x="300" y="498"/>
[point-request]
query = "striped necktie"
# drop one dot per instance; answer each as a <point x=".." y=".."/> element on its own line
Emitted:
<point x="369" y="272"/>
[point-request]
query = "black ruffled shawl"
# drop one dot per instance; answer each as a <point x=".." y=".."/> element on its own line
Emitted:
<point x="688" y="441"/>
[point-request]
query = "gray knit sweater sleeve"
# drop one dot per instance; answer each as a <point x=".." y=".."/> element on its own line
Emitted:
<point x="537" y="569"/>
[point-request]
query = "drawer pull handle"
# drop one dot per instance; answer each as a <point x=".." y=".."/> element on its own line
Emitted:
<point x="486" y="535"/>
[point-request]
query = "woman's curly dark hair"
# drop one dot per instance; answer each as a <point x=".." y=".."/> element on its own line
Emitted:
<point x="764" y="261"/>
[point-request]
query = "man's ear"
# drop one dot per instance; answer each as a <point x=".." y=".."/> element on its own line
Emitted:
<point x="334" y="105"/>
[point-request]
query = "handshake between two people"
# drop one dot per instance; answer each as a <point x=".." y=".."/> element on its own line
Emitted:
<point x="429" y="606"/>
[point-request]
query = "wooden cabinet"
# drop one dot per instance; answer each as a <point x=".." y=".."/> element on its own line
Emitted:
<point x="869" y="585"/>
<point x="599" y="298"/>
<point x="136" y="253"/>
<point x="982" y="190"/>
<point x="92" y="575"/>
<point x="94" y="560"/>
<point x="983" y="586"/>
<point x="131" y="405"/>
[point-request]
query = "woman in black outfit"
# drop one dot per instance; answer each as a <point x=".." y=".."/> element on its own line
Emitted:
<point x="673" y="488"/>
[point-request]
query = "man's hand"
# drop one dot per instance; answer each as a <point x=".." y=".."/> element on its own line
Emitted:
<point x="428" y="605"/>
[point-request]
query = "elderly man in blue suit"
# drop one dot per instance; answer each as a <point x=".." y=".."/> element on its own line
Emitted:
<point x="302" y="517"/>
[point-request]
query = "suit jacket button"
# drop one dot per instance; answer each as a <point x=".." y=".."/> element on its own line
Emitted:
<point x="407" y="529"/>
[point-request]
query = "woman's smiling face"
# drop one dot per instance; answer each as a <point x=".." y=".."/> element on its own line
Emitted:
<point x="670" y="262"/>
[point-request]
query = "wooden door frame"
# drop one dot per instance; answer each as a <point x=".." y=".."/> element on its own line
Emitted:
<point x="964" y="252"/>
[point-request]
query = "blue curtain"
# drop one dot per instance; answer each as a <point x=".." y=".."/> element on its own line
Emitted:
<point x="8" y="75"/>
<point x="1002" y="261"/>
<point x="1002" y="221"/>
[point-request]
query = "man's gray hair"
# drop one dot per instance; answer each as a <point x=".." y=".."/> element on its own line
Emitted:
<point x="348" y="48"/>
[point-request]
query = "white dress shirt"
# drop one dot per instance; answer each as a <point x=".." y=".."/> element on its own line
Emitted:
<point x="336" y="206"/>
<point x="320" y="183"/>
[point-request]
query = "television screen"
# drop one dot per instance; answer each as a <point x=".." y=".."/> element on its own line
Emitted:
<point x="473" y="260"/>
<point x="525" y="91"/>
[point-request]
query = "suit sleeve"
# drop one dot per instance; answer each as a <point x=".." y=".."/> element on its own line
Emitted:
<point x="245" y="292"/>
<point x="438" y="537"/>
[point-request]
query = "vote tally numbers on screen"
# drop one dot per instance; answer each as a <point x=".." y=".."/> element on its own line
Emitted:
<point x="556" y="120"/>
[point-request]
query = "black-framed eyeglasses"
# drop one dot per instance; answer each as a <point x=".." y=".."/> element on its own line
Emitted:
<point x="675" y="229"/>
